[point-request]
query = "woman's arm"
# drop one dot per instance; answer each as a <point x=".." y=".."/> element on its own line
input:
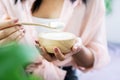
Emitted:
<point x="93" y="53"/>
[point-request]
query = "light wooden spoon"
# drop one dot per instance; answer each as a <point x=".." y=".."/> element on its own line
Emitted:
<point x="39" y="25"/>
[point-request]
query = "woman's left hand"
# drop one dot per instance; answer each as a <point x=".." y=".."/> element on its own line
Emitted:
<point x="58" y="55"/>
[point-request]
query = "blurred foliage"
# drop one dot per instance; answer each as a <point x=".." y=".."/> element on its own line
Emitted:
<point x="33" y="77"/>
<point x="108" y="4"/>
<point x="13" y="60"/>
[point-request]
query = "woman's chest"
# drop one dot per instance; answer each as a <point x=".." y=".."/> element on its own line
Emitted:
<point x="49" y="9"/>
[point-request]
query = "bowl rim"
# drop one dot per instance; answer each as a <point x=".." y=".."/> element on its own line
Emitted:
<point x="72" y="36"/>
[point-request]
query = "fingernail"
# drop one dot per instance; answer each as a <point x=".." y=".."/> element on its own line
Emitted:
<point x="36" y="42"/>
<point x="56" y="50"/>
<point x="24" y="31"/>
<point x="15" y="21"/>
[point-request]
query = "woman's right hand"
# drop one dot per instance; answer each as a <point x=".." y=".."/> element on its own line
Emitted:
<point x="10" y="32"/>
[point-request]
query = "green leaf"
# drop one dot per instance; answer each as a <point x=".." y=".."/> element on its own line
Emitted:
<point x="108" y="4"/>
<point x="33" y="77"/>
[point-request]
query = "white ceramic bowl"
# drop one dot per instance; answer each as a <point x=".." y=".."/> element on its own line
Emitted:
<point x="63" y="40"/>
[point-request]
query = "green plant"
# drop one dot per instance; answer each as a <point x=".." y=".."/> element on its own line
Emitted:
<point x="13" y="59"/>
<point x="108" y="4"/>
<point x="33" y="77"/>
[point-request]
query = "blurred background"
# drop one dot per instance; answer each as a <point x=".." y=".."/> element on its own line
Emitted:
<point x="113" y="20"/>
<point x="111" y="71"/>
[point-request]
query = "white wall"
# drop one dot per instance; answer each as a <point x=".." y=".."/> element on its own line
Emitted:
<point x="113" y="23"/>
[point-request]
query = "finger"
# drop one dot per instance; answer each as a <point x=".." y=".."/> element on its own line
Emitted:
<point x="5" y="17"/>
<point x="37" y="42"/>
<point x="11" y="38"/>
<point x="8" y="31"/>
<point x="33" y="68"/>
<point x="77" y="45"/>
<point x="29" y="71"/>
<point x="30" y="68"/>
<point x="38" y="60"/>
<point x="46" y="55"/>
<point x="59" y="55"/>
<point x="8" y="23"/>
<point x="76" y="48"/>
<point x="19" y="37"/>
<point x="34" y="64"/>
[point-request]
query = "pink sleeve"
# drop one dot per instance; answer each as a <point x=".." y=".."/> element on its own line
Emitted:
<point x="91" y="29"/>
<point x="94" y="35"/>
<point x="49" y="71"/>
<point x="98" y="46"/>
<point x="2" y="10"/>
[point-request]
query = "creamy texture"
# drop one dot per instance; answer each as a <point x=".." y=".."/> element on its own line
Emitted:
<point x="58" y="36"/>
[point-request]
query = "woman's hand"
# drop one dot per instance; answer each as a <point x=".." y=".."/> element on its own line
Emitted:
<point x="58" y="55"/>
<point x="10" y="32"/>
<point x="34" y="65"/>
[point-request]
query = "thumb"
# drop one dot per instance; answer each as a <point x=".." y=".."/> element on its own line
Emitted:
<point x="8" y="23"/>
<point x="77" y="45"/>
<point x="6" y="17"/>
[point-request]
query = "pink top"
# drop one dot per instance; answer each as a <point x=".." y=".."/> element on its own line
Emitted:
<point x="85" y="21"/>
